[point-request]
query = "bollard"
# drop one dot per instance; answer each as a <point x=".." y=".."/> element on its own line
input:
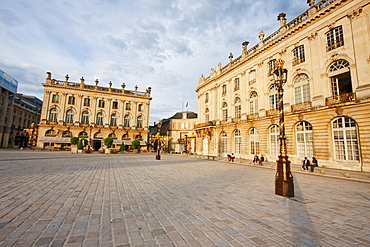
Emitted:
<point x="347" y="174"/>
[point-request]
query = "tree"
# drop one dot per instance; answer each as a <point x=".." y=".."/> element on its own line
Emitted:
<point x="74" y="140"/>
<point x="81" y="143"/>
<point x="123" y="147"/>
<point x="108" y="142"/>
<point x="135" y="144"/>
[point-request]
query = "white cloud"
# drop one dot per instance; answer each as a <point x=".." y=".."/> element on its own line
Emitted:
<point x="165" y="44"/>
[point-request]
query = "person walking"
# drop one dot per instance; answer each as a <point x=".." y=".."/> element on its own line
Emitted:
<point x="261" y="160"/>
<point x="314" y="164"/>
<point x="255" y="160"/>
<point x="305" y="163"/>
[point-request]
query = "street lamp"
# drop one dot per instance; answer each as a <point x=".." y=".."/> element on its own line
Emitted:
<point x="158" y="155"/>
<point x="283" y="178"/>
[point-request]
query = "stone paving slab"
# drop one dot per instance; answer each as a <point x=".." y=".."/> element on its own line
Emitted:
<point x="63" y="199"/>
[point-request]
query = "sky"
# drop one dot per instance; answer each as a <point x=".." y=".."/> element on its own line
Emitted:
<point x="163" y="44"/>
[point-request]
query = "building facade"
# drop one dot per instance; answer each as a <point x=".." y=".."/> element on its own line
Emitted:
<point x="178" y="132"/>
<point x="326" y="97"/>
<point x="8" y="88"/>
<point x="92" y="112"/>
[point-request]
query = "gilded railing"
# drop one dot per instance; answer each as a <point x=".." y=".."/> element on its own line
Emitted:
<point x="301" y="107"/>
<point x="252" y="116"/>
<point x="272" y="112"/>
<point x="337" y="99"/>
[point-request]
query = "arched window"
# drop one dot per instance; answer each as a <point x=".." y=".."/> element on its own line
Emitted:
<point x="253" y="103"/>
<point x="69" y="116"/>
<point x="273" y="98"/>
<point x="274" y="140"/>
<point x="223" y="142"/>
<point x="139" y="122"/>
<point x="112" y="135"/>
<point x="237" y="141"/>
<point x="238" y="107"/>
<point x="254" y="141"/>
<point x="302" y="89"/>
<point x="345" y="139"/>
<point x="224" y="111"/>
<point x="53" y="115"/>
<point x="85" y="117"/>
<point x="67" y="133"/>
<point x="99" y="118"/>
<point x="138" y="137"/>
<point x="113" y="119"/>
<point x="82" y="134"/>
<point x="340" y="77"/>
<point x="98" y="135"/>
<point x="125" y="137"/>
<point x="304" y="139"/>
<point x="127" y="119"/>
<point x="50" y="132"/>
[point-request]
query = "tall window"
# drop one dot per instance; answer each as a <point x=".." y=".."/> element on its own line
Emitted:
<point x="86" y="102"/>
<point x="237" y="141"/>
<point x="55" y="98"/>
<point x="99" y="118"/>
<point x="334" y="38"/>
<point x="139" y="122"/>
<point x="114" y="105"/>
<point x="254" y="141"/>
<point x="304" y="139"/>
<point x="302" y="89"/>
<point x="345" y="139"/>
<point x="238" y="108"/>
<point x="113" y="119"/>
<point x="206" y="98"/>
<point x="236" y="84"/>
<point x="223" y="142"/>
<point x="53" y="115"/>
<point x="224" y="89"/>
<point x="85" y="117"/>
<point x="128" y="106"/>
<point x="101" y="103"/>
<point x="273" y="98"/>
<point x="71" y="100"/>
<point x="253" y="103"/>
<point x="274" y="140"/>
<point x="69" y="116"/>
<point x="224" y="111"/>
<point x="140" y="107"/>
<point x="271" y="66"/>
<point x="127" y="119"/>
<point x="341" y="80"/>
<point x="252" y="77"/>
<point x="112" y="135"/>
<point x="298" y="55"/>
<point x="207" y="115"/>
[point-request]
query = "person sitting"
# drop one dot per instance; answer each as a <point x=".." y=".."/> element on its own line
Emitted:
<point x="305" y="164"/>
<point x="255" y="160"/>
<point x="261" y="160"/>
<point x="232" y="157"/>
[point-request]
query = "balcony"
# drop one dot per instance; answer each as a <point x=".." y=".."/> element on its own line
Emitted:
<point x="301" y="107"/>
<point x="337" y="99"/>
<point x="252" y="116"/>
<point x="272" y="112"/>
<point x="332" y="46"/>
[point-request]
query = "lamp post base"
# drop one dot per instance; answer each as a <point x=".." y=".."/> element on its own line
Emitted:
<point x="157" y="157"/>
<point x="284" y="188"/>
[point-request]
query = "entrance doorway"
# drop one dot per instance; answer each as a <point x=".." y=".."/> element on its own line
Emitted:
<point x="96" y="145"/>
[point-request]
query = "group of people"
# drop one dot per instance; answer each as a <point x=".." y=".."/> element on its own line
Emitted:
<point x="258" y="161"/>
<point x="230" y="157"/>
<point x="307" y="163"/>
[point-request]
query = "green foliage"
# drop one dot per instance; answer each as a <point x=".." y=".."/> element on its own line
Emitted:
<point x="74" y="140"/>
<point x="108" y="142"/>
<point x="123" y="147"/>
<point x="135" y="143"/>
<point x="81" y="143"/>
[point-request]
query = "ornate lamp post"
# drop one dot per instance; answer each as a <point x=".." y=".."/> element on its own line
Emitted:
<point x="283" y="178"/>
<point x="158" y="153"/>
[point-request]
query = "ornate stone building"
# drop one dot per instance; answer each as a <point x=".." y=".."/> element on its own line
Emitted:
<point x="326" y="97"/>
<point x="92" y="112"/>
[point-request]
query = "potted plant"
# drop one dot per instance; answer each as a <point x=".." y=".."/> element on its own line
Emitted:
<point x="108" y="142"/>
<point x="74" y="142"/>
<point x="136" y="144"/>
<point x="122" y="149"/>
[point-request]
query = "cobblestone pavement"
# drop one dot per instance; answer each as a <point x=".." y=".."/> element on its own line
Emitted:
<point x="62" y="199"/>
